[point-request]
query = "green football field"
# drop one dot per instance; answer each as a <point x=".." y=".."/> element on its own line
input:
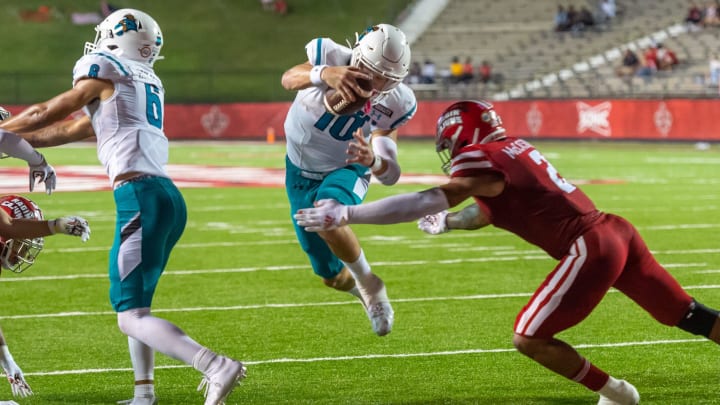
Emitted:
<point x="238" y="283"/>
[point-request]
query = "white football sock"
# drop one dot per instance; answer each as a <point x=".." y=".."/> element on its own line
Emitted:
<point x="142" y="357"/>
<point x="159" y="334"/>
<point x="355" y="292"/>
<point x="360" y="268"/>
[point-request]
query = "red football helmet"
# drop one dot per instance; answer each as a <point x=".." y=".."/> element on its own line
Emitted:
<point x="19" y="254"/>
<point x="465" y="123"/>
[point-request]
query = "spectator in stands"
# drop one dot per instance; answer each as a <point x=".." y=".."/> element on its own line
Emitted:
<point x="714" y="65"/>
<point x="427" y="74"/>
<point x="456" y="70"/>
<point x="468" y="71"/>
<point x="710" y="16"/>
<point x="694" y="17"/>
<point x="630" y="64"/>
<point x="561" y="19"/>
<point x="573" y="17"/>
<point x="413" y="76"/>
<point x="607" y="10"/>
<point x="585" y="19"/>
<point x="665" y="58"/>
<point x="485" y="72"/>
<point x="649" y="64"/>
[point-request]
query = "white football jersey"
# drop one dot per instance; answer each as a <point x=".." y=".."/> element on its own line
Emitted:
<point x="128" y="125"/>
<point x="317" y="140"/>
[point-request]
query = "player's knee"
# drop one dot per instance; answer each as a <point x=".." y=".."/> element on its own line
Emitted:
<point x="699" y="319"/>
<point x="524" y="345"/>
<point x="128" y="320"/>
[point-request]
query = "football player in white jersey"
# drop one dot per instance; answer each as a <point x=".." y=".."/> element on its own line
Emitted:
<point x="334" y="156"/>
<point x="115" y="85"/>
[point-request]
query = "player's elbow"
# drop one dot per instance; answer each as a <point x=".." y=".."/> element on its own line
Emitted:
<point x="391" y="175"/>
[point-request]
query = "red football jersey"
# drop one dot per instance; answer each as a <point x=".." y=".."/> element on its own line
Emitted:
<point x="537" y="203"/>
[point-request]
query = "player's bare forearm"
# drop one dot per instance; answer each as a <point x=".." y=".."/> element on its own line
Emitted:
<point x="297" y="77"/>
<point x="469" y="218"/>
<point x="61" y="133"/>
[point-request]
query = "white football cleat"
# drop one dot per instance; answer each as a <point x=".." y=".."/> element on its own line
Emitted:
<point x="377" y="305"/>
<point x="626" y="395"/>
<point x="221" y="383"/>
<point x="144" y="400"/>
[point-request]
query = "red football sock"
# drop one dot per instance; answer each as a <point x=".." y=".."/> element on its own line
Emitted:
<point x="591" y="376"/>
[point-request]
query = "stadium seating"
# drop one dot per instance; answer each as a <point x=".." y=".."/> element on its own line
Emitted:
<point x="518" y="39"/>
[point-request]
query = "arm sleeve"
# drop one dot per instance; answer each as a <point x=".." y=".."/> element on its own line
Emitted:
<point x="400" y="208"/>
<point x="13" y="145"/>
<point x="386" y="148"/>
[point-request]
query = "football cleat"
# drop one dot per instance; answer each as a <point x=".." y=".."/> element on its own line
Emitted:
<point x="221" y="383"/>
<point x="627" y="395"/>
<point x="144" y="400"/>
<point x="377" y="305"/>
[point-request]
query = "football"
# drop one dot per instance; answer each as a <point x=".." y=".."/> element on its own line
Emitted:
<point x="334" y="103"/>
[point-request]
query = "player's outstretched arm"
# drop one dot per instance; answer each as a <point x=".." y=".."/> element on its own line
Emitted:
<point x="329" y="214"/>
<point x="12" y="371"/>
<point x="469" y="218"/>
<point x="31" y="228"/>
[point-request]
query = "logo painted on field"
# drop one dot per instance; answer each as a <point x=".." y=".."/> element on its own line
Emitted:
<point x="91" y="178"/>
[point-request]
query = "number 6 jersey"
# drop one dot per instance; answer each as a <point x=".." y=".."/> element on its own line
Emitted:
<point x="316" y="139"/>
<point x="138" y="144"/>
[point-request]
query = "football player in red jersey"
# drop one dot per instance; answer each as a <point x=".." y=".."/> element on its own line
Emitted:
<point x="517" y="189"/>
<point x="22" y="228"/>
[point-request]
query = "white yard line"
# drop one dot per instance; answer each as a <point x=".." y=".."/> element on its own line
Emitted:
<point x="378" y="356"/>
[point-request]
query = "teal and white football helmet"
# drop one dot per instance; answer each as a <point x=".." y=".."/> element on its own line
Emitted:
<point x="384" y="50"/>
<point x="130" y="34"/>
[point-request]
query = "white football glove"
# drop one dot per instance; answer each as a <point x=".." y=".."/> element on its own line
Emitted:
<point x="434" y="224"/>
<point x="14" y="375"/>
<point x="328" y="214"/>
<point x="44" y="173"/>
<point x="72" y="225"/>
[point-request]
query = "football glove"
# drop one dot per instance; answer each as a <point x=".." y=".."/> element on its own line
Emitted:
<point x="14" y="375"/>
<point x="72" y="225"/>
<point x="434" y="224"/>
<point x="328" y="214"/>
<point x="44" y="173"/>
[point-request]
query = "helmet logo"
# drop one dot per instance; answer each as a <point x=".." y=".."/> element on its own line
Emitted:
<point x="128" y="23"/>
<point x="450" y="118"/>
<point x="145" y="51"/>
<point x="491" y="118"/>
<point x="18" y="207"/>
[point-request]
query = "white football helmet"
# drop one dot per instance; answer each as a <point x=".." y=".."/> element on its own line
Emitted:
<point x="19" y="254"/>
<point x="384" y="50"/>
<point x="130" y="34"/>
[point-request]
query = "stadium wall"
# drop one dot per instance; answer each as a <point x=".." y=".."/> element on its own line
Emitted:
<point x="669" y="120"/>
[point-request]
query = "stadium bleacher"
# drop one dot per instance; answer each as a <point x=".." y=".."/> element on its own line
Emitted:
<point x="518" y="39"/>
